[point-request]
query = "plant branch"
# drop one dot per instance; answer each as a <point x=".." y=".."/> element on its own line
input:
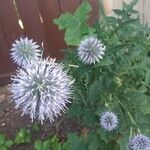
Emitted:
<point x="129" y="114"/>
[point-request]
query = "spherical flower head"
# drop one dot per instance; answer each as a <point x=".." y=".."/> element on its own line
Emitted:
<point x="91" y="50"/>
<point x="42" y="89"/>
<point x="139" y="142"/>
<point x="24" y="50"/>
<point x="109" y="121"/>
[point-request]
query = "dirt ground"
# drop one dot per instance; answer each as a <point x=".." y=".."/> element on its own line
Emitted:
<point x="11" y="122"/>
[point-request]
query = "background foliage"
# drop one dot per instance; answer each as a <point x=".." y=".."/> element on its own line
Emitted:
<point x="120" y="82"/>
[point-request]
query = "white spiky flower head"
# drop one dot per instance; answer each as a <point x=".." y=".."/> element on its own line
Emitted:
<point x="42" y="89"/>
<point x="24" y="50"/>
<point x="139" y="142"/>
<point x="91" y="50"/>
<point x="108" y="121"/>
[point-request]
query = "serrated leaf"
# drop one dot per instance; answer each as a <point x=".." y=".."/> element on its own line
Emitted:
<point x="73" y="36"/>
<point x="75" y="25"/>
<point x="65" y="20"/>
<point x="82" y="11"/>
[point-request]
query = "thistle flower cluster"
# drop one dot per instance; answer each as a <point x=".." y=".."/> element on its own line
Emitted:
<point x="24" y="50"/>
<point x="42" y="88"/>
<point x="109" y="121"/>
<point x="139" y="142"/>
<point x="91" y="50"/>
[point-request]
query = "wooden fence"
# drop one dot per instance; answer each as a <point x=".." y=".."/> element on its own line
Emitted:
<point x="143" y="6"/>
<point x="34" y="19"/>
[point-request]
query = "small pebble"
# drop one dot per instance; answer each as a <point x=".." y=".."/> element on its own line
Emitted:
<point x="2" y="97"/>
<point x="7" y="109"/>
<point x="3" y="124"/>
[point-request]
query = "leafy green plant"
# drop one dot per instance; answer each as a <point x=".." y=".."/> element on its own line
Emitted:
<point x="49" y="144"/>
<point x="23" y="136"/>
<point x="39" y="145"/>
<point x="4" y="143"/>
<point x="91" y="141"/>
<point x="75" y="25"/>
<point x="119" y="82"/>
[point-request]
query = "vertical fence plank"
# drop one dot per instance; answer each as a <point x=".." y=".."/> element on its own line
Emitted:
<point x="3" y="60"/>
<point x="95" y="11"/>
<point x="117" y="4"/>
<point x="4" y="63"/>
<point x="10" y="31"/>
<point x="108" y="6"/>
<point x="146" y="11"/>
<point x="9" y="21"/>
<point x="29" y="14"/>
<point x="69" y="5"/>
<point x="50" y="9"/>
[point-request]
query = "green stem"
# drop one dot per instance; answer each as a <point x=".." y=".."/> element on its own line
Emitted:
<point x="129" y="114"/>
<point x="139" y="131"/>
<point x="106" y="99"/>
<point x="131" y="131"/>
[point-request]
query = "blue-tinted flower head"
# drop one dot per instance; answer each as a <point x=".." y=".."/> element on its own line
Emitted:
<point x="24" y="50"/>
<point x="42" y="89"/>
<point x="109" y="121"/>
<point x="91" y="50"/>
<point x="139" y="142"/>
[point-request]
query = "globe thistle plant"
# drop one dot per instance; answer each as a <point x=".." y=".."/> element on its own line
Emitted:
<point x="91" y="50"/>
<point x="24" y="50"/>
<point x="42" y="89"/>
<point x="139" y="142"/>
<point x="109" y="121"/>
